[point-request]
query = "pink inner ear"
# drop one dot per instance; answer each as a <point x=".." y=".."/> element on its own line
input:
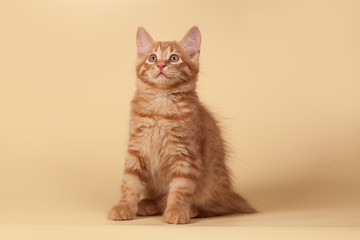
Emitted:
<point x="143" y="42"/>
<point x="191" y="42"/>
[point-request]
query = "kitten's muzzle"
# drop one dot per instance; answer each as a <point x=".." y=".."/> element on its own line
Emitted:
<point x="161" y="65"/>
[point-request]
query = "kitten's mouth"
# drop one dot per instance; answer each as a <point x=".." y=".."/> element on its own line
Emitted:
<point x="161" y="74"/>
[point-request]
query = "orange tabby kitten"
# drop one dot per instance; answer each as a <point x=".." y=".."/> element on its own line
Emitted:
<point x="176" y="154"/>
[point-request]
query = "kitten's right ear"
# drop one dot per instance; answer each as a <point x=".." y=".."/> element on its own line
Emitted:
<point x="143" y="42"/>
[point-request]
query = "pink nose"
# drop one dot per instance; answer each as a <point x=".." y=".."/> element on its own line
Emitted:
<point x="161" y="65"/>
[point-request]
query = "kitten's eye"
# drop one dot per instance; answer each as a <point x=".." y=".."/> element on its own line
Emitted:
<point x="152" y="58"/>
<point x="174" y="58"/>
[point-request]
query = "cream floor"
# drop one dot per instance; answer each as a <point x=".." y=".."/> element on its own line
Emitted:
<point x="314" y="216"/>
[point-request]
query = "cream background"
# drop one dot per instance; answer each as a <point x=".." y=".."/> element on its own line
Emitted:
<point x="282" y="76"/>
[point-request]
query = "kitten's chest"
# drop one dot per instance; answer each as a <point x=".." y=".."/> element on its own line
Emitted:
<point x="154" y="145"/>
<point x="156" y="127"/>
<point x="156" y="120"/>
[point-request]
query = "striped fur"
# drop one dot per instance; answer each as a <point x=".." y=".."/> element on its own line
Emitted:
<point x="175" y="157"/>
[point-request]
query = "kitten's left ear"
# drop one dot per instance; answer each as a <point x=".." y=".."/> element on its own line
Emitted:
<point x="191" y="43"/>
<point x="143" y="42"/>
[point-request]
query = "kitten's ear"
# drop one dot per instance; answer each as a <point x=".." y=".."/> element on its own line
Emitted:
<point x="143" y="42"/>
<point x="191" y="43"/>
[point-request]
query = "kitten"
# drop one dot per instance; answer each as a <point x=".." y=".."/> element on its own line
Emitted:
<point x="176" y="154"/>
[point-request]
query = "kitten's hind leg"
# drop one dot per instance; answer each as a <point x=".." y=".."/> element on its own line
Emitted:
<point x="194" y="212"/>
<point x="148" y="207"/>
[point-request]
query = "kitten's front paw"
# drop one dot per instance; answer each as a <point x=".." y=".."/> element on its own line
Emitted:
<point x="120" y="213"/>
<point x="176" y="216"/>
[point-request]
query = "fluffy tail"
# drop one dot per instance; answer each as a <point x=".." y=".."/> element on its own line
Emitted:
<point x="239" y="204"/>
<point x="231" y="203"/>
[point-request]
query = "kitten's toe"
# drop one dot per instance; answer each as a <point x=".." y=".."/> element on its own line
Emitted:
<point x="147" y="207"/>
<point x="120" y="213"/>
<point x="176" y="216"/>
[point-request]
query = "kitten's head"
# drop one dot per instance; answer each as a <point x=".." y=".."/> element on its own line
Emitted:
<point x="168" y="65"/>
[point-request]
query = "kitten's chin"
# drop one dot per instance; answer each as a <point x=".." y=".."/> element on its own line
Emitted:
<point x="163" y="81"/>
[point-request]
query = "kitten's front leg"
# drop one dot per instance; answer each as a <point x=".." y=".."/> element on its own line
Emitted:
<point x="132" y="186"/>
<point x="183" y="181"/>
